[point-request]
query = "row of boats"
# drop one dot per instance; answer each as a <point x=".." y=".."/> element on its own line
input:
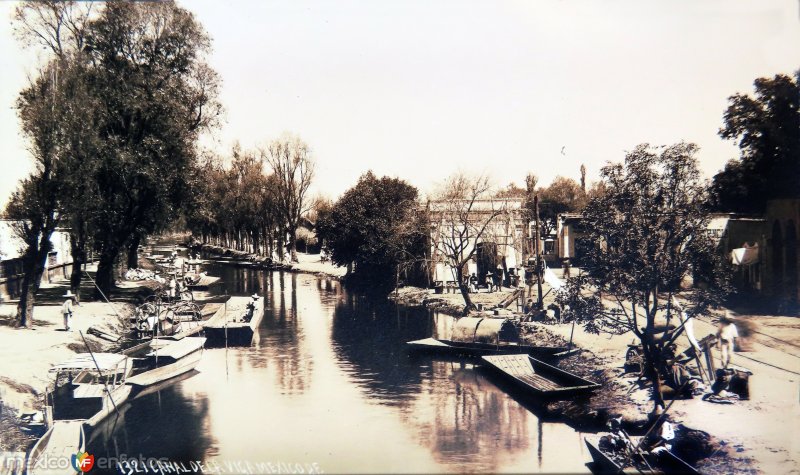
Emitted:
<point x="532" y="371"/>
<point x="90" y="387"/>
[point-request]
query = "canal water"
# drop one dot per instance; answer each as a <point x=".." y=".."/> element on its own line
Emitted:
<point x="329" y="385"/>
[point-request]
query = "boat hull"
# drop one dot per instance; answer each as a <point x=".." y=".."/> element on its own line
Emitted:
<point x="538" y="378"/>
<point x="168" y="371"/>
<point x="53" y="452"/>
<point x="477" y="350"/>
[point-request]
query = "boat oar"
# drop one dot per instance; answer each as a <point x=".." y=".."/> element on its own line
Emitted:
<point x="103" y="295"/>
<point x="100" y="373"/>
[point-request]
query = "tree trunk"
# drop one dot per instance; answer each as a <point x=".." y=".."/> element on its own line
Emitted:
<point x="78" y="251"/>
<point x="26" y="301"/>
<point x="133" y="252"/>
<point x="33" y="267"/>
<point x="293" y="243"/>
<point x="105" y="270"/>
<point x="651" y="370"/>
<point x="468" y="305"/>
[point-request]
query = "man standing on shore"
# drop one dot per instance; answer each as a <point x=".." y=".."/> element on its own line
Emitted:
<point x="726" y="336"/>
<point x="66" y="308"/>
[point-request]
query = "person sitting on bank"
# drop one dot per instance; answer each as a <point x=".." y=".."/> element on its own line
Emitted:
<point x="67" y="308"/>
<point x="473" y="283"/>
<point x="726" y="336"/>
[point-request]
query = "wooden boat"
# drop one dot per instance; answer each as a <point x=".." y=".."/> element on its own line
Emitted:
<point x="159" y="360"/>
<point x="477" y="349"/>
<point x="53" y="452"/>
<point x="473" y="337"/>
<point x="88" y="387"/>
<point x="200" y="281"/>
<point x="538" y="377"/>
<point x="235" y="322"/>
<point x="665" y="463"/>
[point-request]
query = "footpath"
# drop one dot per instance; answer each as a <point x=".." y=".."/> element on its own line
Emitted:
<point x="27" y="355"/>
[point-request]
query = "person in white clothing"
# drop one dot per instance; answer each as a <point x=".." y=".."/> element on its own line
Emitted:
<point x="726" y="335"/>
<point x="66" y="308"/>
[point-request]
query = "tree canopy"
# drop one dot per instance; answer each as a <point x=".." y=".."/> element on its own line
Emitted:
<point x="766" y="127"/>
<point x="147" y="94"/>
<point x="649" y="230"/>
<point x="374" y="225"/>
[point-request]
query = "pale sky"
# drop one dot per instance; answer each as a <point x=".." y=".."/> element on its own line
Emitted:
<point x="421" y="89"/>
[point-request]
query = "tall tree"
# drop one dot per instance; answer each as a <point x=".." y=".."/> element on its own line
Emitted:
<point x="291" y="163"/>
<point x="766" y="127"/>
<point x="460" y="216"/>
<point x="159" y="94"/>
<point x="34" y="205"/>
<point x="649" y="229"/>
<point x="153" y="94"/>
<point x="60" y="27"/>
<point x="374" y="226"/>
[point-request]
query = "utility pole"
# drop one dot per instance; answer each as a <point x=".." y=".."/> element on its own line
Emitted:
<point x="536" y="235"/>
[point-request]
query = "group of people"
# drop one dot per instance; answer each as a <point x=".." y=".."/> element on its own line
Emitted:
<point x="493" y="281"/>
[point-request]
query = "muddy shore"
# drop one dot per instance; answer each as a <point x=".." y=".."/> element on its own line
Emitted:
<point x="308" y="263"/>
<point x="619" y="396"/>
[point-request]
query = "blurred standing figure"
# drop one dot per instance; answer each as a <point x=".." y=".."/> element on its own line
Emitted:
<point x="725" y="338"/>
<point x="66" y="308"/>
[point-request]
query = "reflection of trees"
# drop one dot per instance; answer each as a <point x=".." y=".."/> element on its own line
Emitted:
<point x="282" y="337"/>
<point x="163" y="424"/>
<point x="469" y="416"/>
<point x="370" y="334"/>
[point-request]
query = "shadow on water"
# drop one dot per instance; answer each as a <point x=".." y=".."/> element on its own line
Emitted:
<point x="163" y="424"/>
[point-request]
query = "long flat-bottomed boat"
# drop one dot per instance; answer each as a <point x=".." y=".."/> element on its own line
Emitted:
<point x="665" y="462"/>
<point x="537" y="377"/>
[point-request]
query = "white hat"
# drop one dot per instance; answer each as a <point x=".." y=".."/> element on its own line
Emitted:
<point x="255" y="297"/>
<point x="69" y="294"/>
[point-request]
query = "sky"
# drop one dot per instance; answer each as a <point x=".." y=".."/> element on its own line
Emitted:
<point x="422" y="89"/>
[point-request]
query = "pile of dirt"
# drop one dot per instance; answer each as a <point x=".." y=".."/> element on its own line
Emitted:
<point x="537" y="335"/>
<point x="12" y="438"/>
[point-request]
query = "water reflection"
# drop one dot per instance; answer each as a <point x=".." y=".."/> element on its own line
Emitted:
<point x="329" y="381"/>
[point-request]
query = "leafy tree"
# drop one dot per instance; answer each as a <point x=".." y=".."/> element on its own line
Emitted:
<point x="374" y="226"/>
<point x="34" y="205"/>
<point x="650" y="229"/>
<point x="767" y="129"/>
<point x="158" y="95"/>
<point x="293" y="168"/>
<point x="151" y="94"/>
<point x="60" y="27"/>
<point x="512" y="191"/>
<point x="562" y="196"/>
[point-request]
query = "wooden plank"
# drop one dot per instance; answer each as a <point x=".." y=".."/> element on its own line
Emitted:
<point x="538" y="376"/>
<point x="178" y="349"/>
<point x="163" y="373"/>
<point x="432" y="342"/>
<point x="63" y="440"/>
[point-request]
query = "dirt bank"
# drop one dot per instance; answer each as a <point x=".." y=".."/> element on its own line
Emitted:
<point x="601" y="360"/>
<point x="27" y="355"/>
<point x="308" y="263"/>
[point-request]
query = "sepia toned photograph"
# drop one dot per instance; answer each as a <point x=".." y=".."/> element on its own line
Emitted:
<point x="399" y="237"/>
